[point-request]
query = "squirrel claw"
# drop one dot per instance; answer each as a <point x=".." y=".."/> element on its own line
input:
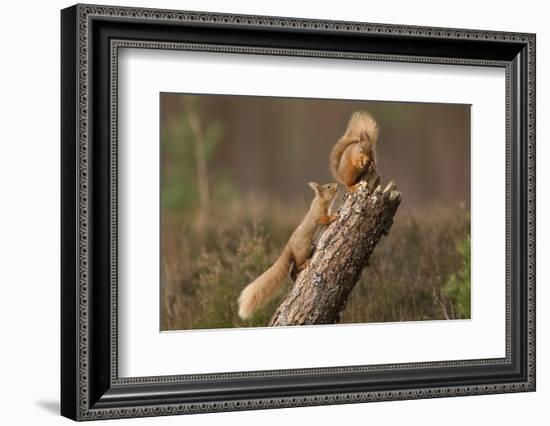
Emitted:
<point x="352" y="188"/>
<point x="333" y="217"/>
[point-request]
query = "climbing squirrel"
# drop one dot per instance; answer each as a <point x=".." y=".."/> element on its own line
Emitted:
<point x="355" y="151"/>
<point x="296" y="253"/>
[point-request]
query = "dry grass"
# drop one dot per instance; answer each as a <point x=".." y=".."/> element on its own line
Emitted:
<point x="207" y="259"/>
<point x="410" y="268"/>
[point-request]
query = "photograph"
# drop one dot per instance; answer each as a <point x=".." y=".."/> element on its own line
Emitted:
<point x="293" y="211"/>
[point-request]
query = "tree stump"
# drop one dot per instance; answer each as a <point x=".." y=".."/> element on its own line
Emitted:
<point x="320" y="291"/>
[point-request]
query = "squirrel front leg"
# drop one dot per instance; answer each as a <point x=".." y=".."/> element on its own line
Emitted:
<point x="327" y="219"/>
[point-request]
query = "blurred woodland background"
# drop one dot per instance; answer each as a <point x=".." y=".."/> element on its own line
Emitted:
<point x="234" y="179"/>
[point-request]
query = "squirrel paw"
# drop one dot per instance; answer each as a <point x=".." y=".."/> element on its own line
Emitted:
<point x="333" y="217"/>
<point x="303" y="265"/>
<point x="352" y="188"/>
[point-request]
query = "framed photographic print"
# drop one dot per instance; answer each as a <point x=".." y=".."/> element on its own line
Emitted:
<point x="263" y="212"/>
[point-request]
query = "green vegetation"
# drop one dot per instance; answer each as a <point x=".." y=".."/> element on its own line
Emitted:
<point x="186" y="143"/>
<point x="457" y="288"/>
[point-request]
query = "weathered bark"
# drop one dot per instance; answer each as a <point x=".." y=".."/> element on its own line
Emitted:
<point x="320" y="291"/>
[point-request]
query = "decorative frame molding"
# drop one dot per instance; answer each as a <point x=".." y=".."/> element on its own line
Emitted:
<point x="91" y="37"/>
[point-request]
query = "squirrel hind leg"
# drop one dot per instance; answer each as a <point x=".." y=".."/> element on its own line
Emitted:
<point x="304" y="265"/>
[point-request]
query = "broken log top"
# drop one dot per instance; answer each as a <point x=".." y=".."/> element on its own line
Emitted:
<point x="320" y="291"/>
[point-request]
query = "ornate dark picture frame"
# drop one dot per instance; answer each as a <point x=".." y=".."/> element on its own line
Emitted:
<point x="90" y="385"/>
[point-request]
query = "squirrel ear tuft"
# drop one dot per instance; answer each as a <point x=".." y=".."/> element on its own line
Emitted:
<point x="314" y="186"/>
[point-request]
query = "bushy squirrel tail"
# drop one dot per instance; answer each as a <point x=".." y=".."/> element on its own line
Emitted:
<point x="361" y="125"/>
<point x="265" y="287"/>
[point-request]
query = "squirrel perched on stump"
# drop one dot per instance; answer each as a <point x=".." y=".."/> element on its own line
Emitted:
<point x="355" y="151"/>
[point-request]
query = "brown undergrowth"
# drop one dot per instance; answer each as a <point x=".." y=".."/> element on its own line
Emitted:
<point x="420" y="271"/>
